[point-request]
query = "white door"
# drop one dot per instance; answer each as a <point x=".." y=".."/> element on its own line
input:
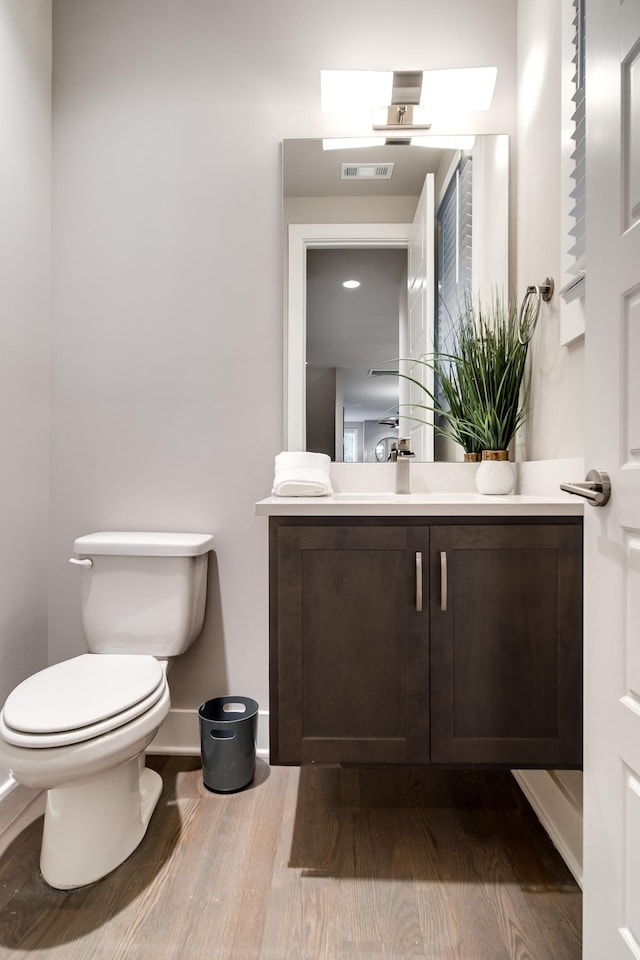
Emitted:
<point x="420" y="308"/>
<point x="612" y="533"/>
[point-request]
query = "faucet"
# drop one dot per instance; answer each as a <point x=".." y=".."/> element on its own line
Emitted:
<point x="401" y="455"/>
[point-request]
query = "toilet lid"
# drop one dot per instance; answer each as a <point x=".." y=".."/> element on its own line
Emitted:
<point x="81" y="698"/>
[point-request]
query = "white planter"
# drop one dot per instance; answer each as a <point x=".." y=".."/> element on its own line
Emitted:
<point x="495" y="475"/>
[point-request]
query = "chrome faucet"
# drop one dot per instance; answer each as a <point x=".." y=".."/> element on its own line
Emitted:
<point x="401" y="455"/>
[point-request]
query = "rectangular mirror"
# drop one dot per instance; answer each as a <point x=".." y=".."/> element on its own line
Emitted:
<point x="418" y="227"/>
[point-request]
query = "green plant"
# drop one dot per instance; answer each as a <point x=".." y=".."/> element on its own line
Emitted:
<point x="480" y="377"/>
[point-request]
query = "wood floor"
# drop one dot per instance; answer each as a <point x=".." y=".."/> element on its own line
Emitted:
<point x="306" y="864"/>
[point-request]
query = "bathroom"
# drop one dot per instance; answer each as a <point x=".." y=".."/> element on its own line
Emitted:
<point x="142" y="281"/>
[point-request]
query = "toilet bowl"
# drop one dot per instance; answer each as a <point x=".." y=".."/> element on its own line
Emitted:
<point x="79" y="729"/>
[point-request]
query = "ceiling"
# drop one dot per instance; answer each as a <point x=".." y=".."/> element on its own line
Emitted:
<point x="310" y="171"/>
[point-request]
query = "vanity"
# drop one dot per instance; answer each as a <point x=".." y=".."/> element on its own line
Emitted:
<point x="442" y="629"/>
<point x="431" y="629"/>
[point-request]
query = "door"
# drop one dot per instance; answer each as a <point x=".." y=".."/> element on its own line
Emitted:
<point x="421" y="307"/>
<point x="350" y="646"/>
<point x="506" y="644"/>
<point x="612" y="533"/>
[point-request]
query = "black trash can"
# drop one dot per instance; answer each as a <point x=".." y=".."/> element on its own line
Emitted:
<point x="228" y="742"/>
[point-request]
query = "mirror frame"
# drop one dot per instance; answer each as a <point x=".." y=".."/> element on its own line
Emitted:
<point x="303" y="237"/>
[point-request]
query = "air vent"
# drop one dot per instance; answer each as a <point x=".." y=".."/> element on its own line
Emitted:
<point x="367" y="171"/>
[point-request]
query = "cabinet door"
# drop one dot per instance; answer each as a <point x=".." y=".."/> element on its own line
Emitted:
<point x="349" y="656"/>
<point x="506" y="645"/>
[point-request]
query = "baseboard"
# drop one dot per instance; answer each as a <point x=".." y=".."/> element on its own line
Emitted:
<point x="7" y="783"/>
<point x="180" y="734"/>
<point x="558" y="813"/>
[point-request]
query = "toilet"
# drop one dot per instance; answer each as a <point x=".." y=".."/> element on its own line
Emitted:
<point x="79" y="729"/>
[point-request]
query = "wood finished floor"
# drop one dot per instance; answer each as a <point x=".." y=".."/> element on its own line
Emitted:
<point x="311" y="864"/>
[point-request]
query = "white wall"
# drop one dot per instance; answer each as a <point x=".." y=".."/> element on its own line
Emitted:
<point x="349" y="210"/>
<point x="556" y="428"/>
<point x="490" y="235"/>
<point x="25" y="255"/>
<point x="168" y="118"/>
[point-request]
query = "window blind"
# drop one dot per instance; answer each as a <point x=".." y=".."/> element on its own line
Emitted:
<point x="575" y="287"/>
<point x="455" y="225"/>
<point x="454" y="220"/>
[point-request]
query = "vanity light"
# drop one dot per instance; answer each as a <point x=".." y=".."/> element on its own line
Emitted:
<point x="467" y="88"/>
<point x="444" y="143"/>
<point x="351" y="284"/>
<point x="347" y="90"/>
<point x="448" y="142"/>
<point x="409" y="98"/>
<point x="401" y="116"/>
<point x="347" y="143"/>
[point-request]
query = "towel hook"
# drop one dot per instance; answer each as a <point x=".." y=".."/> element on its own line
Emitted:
<point x="541" y="291"/>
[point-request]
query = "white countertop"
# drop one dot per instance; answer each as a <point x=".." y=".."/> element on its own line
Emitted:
<point x="419" y="505"/>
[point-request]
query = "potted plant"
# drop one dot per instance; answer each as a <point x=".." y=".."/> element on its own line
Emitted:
<point x="479" y="404"/>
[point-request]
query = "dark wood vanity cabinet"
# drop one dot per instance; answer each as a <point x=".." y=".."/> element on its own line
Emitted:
<point x="506" y="644"/>
<point x="349" y="648"/>
<point x="450" y="642"/>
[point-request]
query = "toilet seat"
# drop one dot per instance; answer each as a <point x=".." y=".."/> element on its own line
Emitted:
<point x="81" y="698"/>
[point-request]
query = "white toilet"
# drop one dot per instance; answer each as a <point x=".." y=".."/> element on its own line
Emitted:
<point x="79" y="729"/>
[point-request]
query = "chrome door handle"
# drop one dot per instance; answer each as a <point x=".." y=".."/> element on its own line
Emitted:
<point x="443" y="580"/>
<point x="596" y="489"/>
<point x="419" y="582"/>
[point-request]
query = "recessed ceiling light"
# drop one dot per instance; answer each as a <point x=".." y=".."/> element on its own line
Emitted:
<point x="351" y="284"/>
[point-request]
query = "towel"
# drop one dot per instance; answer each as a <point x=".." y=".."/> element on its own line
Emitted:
<point x="300" y="474"/>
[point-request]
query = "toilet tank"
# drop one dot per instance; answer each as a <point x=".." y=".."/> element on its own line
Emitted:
<point x="143" y="592"/>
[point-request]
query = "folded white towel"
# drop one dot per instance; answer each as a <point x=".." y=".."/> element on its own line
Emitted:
<point x="302" y="474"/>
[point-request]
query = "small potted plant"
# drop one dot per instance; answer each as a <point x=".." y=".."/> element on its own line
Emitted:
<point x="492" y="348"/>
<point x="479" y="403"/>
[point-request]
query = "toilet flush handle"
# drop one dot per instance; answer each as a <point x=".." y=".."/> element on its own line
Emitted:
<point x="81" y="563"/>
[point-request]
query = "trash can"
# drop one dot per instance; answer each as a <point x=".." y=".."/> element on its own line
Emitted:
<point x="228" y="742"/>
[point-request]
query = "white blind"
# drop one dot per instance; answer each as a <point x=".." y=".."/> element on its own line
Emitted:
<point x="455" y="225"/>
<point x="575" y="287"/>
<point x="454" y="220"/>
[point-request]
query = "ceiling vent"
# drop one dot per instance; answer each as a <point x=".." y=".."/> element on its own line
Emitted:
<point x="367" y="171"/>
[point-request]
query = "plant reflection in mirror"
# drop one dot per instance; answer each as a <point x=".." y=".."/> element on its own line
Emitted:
<point x="479" y="403"/>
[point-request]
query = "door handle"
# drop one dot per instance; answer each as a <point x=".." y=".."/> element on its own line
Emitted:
<point x="419" y="582"/>
<point x="443" y="581"/>
<point x="596" y="489"/>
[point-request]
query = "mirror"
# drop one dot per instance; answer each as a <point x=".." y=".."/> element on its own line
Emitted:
<point x="354" y="214"/>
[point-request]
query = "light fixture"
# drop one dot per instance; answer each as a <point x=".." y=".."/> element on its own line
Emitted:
<point x="401" y="116"/>
<point x="429" y="141"/>
<point x="409" y="98"/>
<point x="346" y="90"/>
<point x="405" y="111"/>
<point x="346" y="143"/>
<point x="465" y="88"/>
<point x="444" y="143"/>
<point x="351" y="284"/>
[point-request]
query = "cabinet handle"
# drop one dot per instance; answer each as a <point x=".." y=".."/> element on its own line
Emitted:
<point x="443" y="580"/>
<point x="419" y="582"/>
